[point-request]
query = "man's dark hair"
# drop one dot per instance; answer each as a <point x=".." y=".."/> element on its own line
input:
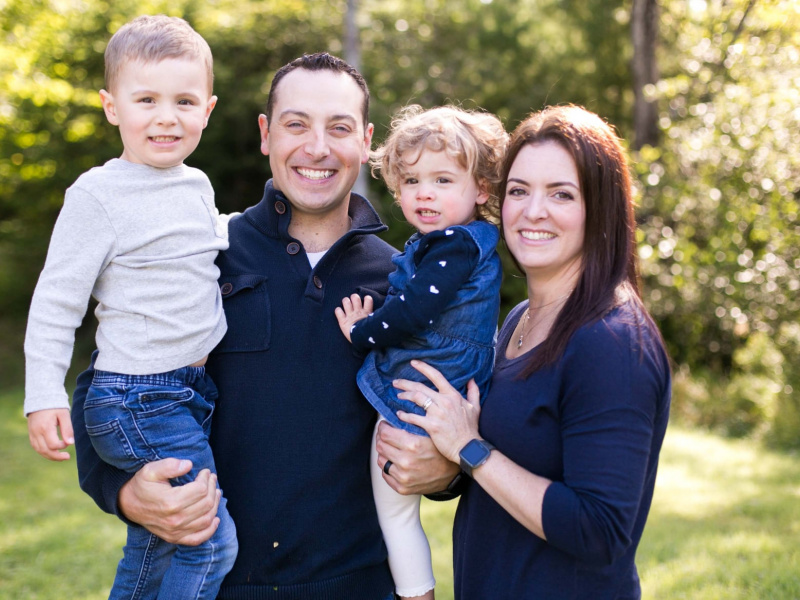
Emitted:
<point x="321" y="61"/>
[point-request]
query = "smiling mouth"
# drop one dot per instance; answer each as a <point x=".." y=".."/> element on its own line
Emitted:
<point x="315" y="173"/>
<point x="164" y="139"/>
<point x="537" y="235"/>
<point x="427" y="213"/>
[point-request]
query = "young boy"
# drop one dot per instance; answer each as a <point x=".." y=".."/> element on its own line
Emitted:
<point x="140" y="234"/>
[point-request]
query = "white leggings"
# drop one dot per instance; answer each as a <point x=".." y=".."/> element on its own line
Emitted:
<point x="398" y="515"/>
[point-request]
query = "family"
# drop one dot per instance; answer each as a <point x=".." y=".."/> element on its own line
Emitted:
<point x="347" y="379"/>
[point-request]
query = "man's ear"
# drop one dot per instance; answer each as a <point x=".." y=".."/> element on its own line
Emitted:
<point x="263" y="126"/>
<point x="109" y="107"/>
<point x="367" y="143"/>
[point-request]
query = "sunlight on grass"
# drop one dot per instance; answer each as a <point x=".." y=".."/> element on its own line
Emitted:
<point x="724" y="525"/>
<point x="724" y="522"/>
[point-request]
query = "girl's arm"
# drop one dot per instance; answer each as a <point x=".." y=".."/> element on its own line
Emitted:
<point x="443" y="266"/>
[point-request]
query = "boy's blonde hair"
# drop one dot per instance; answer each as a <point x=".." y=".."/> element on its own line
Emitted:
<point x="475" y="140"/>
<point x="149" y="39"/>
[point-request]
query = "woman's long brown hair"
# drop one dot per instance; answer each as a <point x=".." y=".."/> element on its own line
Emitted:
<point x="609" y="271"/>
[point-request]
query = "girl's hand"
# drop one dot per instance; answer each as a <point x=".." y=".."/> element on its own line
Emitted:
<point x="352" y="311"/>
<point x="449" y="419"/>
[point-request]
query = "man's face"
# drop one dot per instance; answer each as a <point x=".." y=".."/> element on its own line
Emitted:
<point x="316" y="141"/>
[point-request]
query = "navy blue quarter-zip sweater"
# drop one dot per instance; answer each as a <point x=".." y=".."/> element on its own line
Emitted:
<point x="291" y="431"/>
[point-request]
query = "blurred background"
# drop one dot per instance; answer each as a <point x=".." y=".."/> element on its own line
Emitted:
<point x="706" y="94"/>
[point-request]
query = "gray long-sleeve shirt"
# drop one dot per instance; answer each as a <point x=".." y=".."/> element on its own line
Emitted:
<point x="143" y="242"/>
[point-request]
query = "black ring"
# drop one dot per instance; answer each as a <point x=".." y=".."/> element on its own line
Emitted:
<point x="387" y="466"/>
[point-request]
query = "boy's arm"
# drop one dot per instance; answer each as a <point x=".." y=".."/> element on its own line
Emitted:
<point x="443" y="266"/>
<point x="81" y="245"/>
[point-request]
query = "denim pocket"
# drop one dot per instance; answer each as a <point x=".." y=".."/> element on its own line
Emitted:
<point x="247" y="311"/>
<point x="113" y="446"/>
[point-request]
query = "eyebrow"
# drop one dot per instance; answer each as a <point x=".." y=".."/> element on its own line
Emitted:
<point x="549" y="185"/>
<point x="305" y="115"/>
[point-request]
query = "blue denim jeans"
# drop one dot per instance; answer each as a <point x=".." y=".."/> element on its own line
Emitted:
<point x="136" y="419"/>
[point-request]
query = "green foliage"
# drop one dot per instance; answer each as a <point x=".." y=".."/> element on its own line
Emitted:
<point x="720" y="201"/>
<point x="720" y="237"/>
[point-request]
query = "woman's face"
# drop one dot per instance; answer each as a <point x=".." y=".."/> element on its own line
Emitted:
<point x="543" y="212"/>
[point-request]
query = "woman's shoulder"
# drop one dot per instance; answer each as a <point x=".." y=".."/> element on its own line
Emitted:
<point x="625" y="332"/>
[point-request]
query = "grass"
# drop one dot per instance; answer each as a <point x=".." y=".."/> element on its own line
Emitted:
<point x="725" y="524"/>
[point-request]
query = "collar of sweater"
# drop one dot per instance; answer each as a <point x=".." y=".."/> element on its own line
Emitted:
<point x="273" y="214"/>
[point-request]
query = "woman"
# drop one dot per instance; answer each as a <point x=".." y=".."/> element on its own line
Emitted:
<point x="579" y="399"/>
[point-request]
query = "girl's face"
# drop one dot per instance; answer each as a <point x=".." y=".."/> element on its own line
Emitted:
<point x="544" y="214"/>
<point x="436" y="192"/>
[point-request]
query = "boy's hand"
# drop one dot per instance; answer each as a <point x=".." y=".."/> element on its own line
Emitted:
<point x="352" y="312"/>
<point x="43" y="428"/>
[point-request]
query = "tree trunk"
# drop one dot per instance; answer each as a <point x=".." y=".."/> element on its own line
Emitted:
<point x="352" y="54"/>
<point x="644" y="31"/>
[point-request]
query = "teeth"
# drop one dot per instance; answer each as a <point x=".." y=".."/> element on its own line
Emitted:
<point x="537" y="235"/>
<point x="164" y="138"/>
<point x="314" y="173"/>
<point x="428" y="213"/>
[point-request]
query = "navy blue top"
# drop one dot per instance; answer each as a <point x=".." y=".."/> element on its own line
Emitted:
<point x="291" y="432"/>
<point x="593" y="423"/>
<point x="442" y="308"/>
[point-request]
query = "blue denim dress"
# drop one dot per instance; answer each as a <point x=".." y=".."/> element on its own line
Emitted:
<point x="459" y="342"/>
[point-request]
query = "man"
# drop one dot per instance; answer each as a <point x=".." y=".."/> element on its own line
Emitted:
<point x="291" y="431"/>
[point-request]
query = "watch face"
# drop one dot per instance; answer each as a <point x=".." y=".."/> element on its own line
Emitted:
<point x="474" y="452"/>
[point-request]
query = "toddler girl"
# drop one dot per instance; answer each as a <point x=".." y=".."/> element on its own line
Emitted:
<point x="444" y="300"/>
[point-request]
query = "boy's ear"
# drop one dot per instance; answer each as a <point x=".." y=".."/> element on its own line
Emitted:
<point x="109" y="107"/>
<point x="212" y="102"/>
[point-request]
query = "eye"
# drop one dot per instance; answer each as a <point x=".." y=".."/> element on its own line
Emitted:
<point x="563" y="195"/>
<point x="341" y="129"/>
<point x="409" y="181"/>
<point x="185" y="102"/>
<point x="147" y="100"/>
<point x="443" y="180"/>
<point x="516" y="191"/>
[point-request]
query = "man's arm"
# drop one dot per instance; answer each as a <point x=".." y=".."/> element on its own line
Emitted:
<point x="180" y="515"/>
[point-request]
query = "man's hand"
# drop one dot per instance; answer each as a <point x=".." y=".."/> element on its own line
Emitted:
<point x="417" y="466"/>
<point x="185" y="514"/>
<point x="43" y="429"/>
<point x="352" y="311"/>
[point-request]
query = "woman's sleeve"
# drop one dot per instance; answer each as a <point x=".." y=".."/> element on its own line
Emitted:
<point x="443" y="265"/>
<point x="99" y="480"/>
<point x="609" y="415"/>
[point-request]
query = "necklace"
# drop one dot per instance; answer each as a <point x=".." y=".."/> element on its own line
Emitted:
<point x="527" y="318"/>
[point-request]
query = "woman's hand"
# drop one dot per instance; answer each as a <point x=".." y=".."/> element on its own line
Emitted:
<point x="449" y="419"/>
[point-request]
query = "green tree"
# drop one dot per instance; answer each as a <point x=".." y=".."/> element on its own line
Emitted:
<point x="720" y="195"/>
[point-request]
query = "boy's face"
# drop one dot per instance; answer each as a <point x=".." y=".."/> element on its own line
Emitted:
<point x="161" y="109"/>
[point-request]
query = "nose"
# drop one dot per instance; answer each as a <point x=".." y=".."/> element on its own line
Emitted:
<point x="166" y="114"/>
<point x="316" y="145"/>
<point x="425" y="192"/>
<point x="536" y="209"/>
